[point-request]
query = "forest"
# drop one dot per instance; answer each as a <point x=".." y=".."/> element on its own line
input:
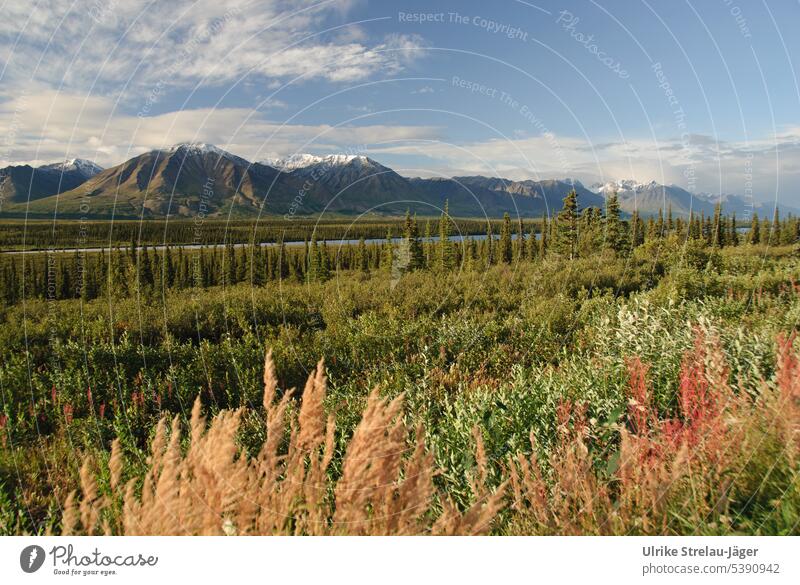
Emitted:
<point x="585" y="373"/>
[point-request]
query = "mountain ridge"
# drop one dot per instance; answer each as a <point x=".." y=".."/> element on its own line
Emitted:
<point x="193" y="178"/>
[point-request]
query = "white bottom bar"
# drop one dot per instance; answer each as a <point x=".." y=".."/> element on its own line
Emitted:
<point x="375" y="560"/>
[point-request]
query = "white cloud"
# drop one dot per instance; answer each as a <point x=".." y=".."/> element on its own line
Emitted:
<point x="77" y="126"/>
<point x="770" y="166"/>
<point x="103" y="45"/>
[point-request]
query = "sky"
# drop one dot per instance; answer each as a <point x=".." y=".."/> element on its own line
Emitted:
<point x="701" y="94"/>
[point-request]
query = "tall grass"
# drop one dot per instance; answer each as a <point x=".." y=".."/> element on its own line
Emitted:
<point x="724" y="461"/>
<point x="211" y="487"/>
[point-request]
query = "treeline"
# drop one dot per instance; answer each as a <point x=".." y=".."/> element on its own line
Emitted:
<point x="43" y="235"/>
<point x="144" y="270"/>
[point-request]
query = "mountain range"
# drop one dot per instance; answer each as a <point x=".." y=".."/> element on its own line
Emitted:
<point x="20" y="183"/>
<point x="194" y="179"/>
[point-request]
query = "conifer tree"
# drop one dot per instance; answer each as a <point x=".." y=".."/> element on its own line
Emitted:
<point x="416" y="258"/>
<point x="718" y="229"/>
<point x="544" y="238"/>
<point x="169" y="267"/>
<point x="313" y="261"/>
<point x="324" y="263"/>
<point x="145" y="268"/>
<point x="636" y="230"/>
<point x="229" y="261"/>
<point x="489" y="244"/>
<point x="428" y="245"/>
<point x="362" y="256"/>
<point x="281" y="262"/>
<point x="733" y="236"/>
<point x="532" y="245"/>
<point x="754" y="237"/>
<point x="445" y="260"/>
<point x="613" y="228"/>
<point x="506" y="250"/>
<point x="766" y="231"/>
<point x="520" y="248"/>
<point x="650" y="229"/>
<point x="775" y="231"/>
<point x="567" y="226"/>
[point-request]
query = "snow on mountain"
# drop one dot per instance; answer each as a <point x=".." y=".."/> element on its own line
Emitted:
<point x="202" y="149"/>
<point x="624" y="186"/>
<point x="302" y="161"/>
<point x="85" y="167"/>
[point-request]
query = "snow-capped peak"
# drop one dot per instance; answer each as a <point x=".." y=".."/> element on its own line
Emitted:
<point x="85" y="167"/>
<point x="623" y="185"/>
<point x="302" y="160"/>
<point x="202" y="148"/>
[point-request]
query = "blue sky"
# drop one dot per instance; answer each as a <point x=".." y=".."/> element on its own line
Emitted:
<point x="700" y="94"/>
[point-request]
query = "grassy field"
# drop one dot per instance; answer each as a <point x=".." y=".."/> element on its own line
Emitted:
<point x="585" y="384"/>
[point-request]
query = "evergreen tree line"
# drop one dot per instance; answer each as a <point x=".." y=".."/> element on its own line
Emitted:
<point x="66" y="233"/>
<point x="571" y="234"/>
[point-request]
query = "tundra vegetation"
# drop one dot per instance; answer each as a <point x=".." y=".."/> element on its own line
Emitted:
<point x="584" y="374"/>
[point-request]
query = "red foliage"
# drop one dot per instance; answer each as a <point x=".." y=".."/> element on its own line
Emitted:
<point x="703" y="395"/>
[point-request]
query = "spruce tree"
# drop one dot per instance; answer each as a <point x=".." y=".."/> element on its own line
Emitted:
<point x="544" y="238"/>
<point x="733" y="236"/>
<point x="445" y="260"/>
<point x="489" y="244"/>
<point x="718" y="236"/>
<point x="520" y="249"/>
<point x="324" y="263"/>
<point x="428" y="245"/>
<point x="506" y="250"/>
<point x="775" y="231"/>
<point x="230" y="265"/>
<point x="613" y="228"/>
<point x="145" y="268"/>
<point x="531" y="245"/>
<point x="169" y="268"/>
<point x="754" y="236"/>
<point x="567" y="226"/>
<point x="636" y="230"/>
<point x="313" y="260"/>
<point x="416" y="258"/>
<point x="362" y="257"/>
<point x="281" y="262"/>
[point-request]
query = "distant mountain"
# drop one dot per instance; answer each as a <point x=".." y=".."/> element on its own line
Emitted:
<point x="347" y="183"/>
<point x="301" y="161"/>
<point x="536" y="196"/>
<point x="491" y="196"/>
<point x="195" y="179"/>
<point x="649" y="198"/>
<point x="22" y="183"/>
<point x="744" y="207"/>
<point x="185" y="180"/>
<point x="78" y="167"/>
